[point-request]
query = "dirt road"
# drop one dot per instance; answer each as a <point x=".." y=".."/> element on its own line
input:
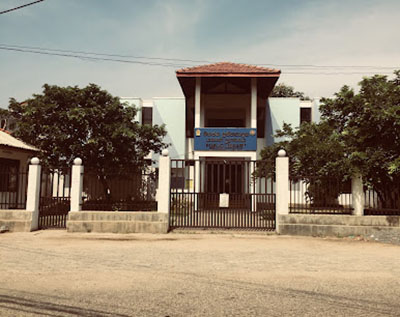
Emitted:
<point x="53" y="273"/>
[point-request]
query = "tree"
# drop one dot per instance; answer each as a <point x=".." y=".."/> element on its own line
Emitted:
<point x="316" y="156"/>
<point x="368" y="123"/>
<point x="359" y="133"/>
<point x="69" y="122"/>
<point x="283" y="90"/>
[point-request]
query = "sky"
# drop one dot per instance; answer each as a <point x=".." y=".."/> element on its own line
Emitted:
<point x="339" y="37"/>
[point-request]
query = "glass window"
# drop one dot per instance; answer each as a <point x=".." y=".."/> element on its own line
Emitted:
<point x="147" y="115"/>
<point x="305" y="115"/>
<point x="8" y="175"/>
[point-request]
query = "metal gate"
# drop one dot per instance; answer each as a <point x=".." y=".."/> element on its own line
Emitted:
<point x="55" y="197"/>
<point x="221" y="193"/>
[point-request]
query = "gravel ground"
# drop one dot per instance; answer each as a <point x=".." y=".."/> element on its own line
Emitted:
<point x="53" y="273"/>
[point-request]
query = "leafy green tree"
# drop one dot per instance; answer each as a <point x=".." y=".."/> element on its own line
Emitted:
<point x="358" y="133"/>
<point x="315" y="156"/>
<point x="368" y="123"/>
<point x="283" y="90"/>
<point x="69" y="122"/>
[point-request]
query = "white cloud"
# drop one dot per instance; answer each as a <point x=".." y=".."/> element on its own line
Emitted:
<point x="318" y="35"/>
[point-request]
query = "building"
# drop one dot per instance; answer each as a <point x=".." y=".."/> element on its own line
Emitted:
<point x="228" y="95"/>
<point x="14" y="160"/>
<point x="14" y="153"/>
<point x="225" y="113"/>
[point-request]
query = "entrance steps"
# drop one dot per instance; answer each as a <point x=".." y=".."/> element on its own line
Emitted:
<point x="15" y="220"/>
<point x="117" y="222"/>
<point x="336" y="225"/>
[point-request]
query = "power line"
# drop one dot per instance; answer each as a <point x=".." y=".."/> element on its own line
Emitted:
<point x="194" y="61"/>
<point x="338" y="73"/>
<point x="91" y="58"/>
<point x="331" y="66"/>
<point x="20" y="7"/>
<point x="106" y="54"/>
<point x="168" y="64"/>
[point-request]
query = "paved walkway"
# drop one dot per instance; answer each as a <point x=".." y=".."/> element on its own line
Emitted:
<point x="53" y="273"/>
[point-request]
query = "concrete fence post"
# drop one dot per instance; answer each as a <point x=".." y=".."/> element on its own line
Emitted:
<point x="357" y="192"/>
<point x="282" y="186"/>
<point x="33" y="192"/>
<point x="77" y="185"/>
<point x="164" y="183"/>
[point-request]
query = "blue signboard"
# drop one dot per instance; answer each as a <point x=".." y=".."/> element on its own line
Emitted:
<point x="225" y="139"/>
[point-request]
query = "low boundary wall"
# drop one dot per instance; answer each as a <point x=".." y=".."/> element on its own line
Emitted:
<point x="15" y="220"/>
<point x="117" y="222"/>
<point x="336" y="225"/>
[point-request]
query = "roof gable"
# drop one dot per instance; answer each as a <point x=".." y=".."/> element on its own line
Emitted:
<point x="226" y="69"/>
<point x="6" y="139"/>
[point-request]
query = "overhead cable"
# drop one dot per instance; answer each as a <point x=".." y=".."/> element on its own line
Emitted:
<point x="20" y="7"/>
<point x="90" y="56"/>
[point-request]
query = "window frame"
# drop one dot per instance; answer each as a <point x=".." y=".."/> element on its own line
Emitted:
<point x="9" y="171"/>
<point x="307" y="117"/>
<point x="147" y="116"/>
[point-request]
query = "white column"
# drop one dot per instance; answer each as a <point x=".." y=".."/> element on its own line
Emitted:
<point x="164" y="183"/>
<point x="197" y="176"/>
<point x="357" y="192"/>
<point x="253" y="103"/>
<point x="33" y="192"/>
<point x="197" y="107"/>
<point x="253" y="181"/>
<point x="77" y="185"/>
<point x="282" y="186"/>
<point x="253" y="187"/>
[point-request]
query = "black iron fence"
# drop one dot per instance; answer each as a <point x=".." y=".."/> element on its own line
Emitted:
<point x="320" y="195"/>
<point x="385" y="202"/>
<point x="55" y="197"/>
<point x="120" y="190"/>
<point x="13" y="188"/>
<point x="221" y="193"/>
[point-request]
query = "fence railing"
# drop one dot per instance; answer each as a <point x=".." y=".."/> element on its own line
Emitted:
<point x="316" y="195"/>
<point x="13" y="189"/>
<point x="55" y="197"/>
<point x="385" y="204"/>
<point x="120" y="190"/>
<point x="196" y="193"/>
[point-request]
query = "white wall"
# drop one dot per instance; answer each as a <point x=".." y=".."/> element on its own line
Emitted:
<point x="134" y="102"/>
<point x="15" y="154"/>
<point x="171" y="112"/>
<point x="280" y="110"/>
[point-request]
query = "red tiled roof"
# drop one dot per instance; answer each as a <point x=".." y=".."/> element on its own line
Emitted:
<point x="226" y="68"/>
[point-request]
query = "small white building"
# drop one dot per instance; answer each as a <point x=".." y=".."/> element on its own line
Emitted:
<point x="14" y="160"/>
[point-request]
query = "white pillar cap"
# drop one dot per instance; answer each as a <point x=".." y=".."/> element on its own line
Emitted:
<point x="35" y="161"/>
<point x="281" y="153"/>
<point x="78" y="161"/>
<point x="165" y="152"/>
